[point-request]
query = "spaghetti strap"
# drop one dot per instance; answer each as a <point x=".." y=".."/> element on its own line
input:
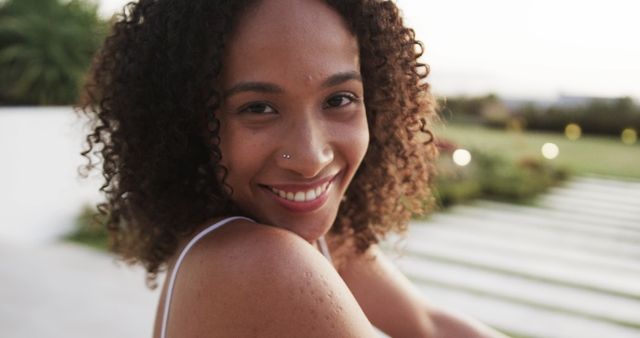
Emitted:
<point x="174" y="273"/>
<point x="324" y="249"/>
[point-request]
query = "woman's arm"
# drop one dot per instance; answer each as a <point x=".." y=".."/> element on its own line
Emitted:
<point x="396" y="307"/>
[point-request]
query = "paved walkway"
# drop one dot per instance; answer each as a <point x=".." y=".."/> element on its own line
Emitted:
<point x="568" y="267"/>
<point x="69" y="291"/>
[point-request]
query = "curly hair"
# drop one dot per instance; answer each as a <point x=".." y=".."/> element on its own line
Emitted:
<point x="152" y="97"/>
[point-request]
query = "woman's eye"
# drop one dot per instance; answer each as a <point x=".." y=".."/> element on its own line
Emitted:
<point x="340" y="100"/>
<point x="258" y="108"/>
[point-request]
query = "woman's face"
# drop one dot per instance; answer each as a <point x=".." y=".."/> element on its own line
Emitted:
<point x="293" y="123"/>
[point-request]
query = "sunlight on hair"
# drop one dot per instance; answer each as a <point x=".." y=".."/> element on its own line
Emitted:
<point x="572" y="131"/>
<point x="629" y="136"/>
<point x="461" y="157"/>
<point x="550" y="150"/>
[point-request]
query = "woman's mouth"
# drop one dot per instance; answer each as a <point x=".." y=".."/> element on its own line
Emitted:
<point x="301" y="199"/>
<point x="302" y="196"/>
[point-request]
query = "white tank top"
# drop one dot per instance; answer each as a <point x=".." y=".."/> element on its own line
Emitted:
<point x="322" y="245"/>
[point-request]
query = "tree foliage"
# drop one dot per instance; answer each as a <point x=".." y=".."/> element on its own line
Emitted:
<point x="606" y="116"/>
<point x="46" y="47"/>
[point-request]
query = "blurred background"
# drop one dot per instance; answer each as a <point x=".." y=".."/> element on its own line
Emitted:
<point x="537" y="227"/>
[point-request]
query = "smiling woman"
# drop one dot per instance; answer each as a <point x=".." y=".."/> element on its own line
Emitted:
<point x="301" y="96"/>
<point x="236" y="135"/>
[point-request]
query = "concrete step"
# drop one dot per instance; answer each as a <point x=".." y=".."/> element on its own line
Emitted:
<point x="623" y="213"/>
<point x="600" y="189"/>
<point x="540" y="218"/>
<point x="482" y="241"/>
<point x="591" y="220"/>
<point x="557" y="272"/>
<point x="545" y="296"/>
<point x="613" y="184"/>
<point x="523" y="320"/>
<point x="568" y="266"/>
<point x="616" y="199"/>
<point x="512" y="230"/>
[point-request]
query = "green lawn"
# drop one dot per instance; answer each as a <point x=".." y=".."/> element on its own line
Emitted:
<point x="587" y="155"/>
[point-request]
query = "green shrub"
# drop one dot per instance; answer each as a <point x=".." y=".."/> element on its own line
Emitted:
<point x="491" y="176"/>
<point x="454" y="184"/>
<point x="90" y="229"/>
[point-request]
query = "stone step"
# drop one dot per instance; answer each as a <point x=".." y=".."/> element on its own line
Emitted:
<point x="511" y="230"/>
<point x="545" y="296"/>
<point x="606" y="182"/>
<point x="522" y="320"/>
<point x="568" y="266"/>
<point x="613" y="190"/>
<point x="615" y="199"/>
<point x="539" y="218"/>
<point x="623" y="213"/>
<point x="557" y="272"/>
<point x="592" y="220"/>
<point x="479" y="240"/>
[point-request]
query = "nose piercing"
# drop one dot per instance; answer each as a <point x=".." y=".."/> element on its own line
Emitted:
<point x="286" y="156"/>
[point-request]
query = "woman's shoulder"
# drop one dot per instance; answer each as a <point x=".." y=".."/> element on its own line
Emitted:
<point x="249" y="279"/>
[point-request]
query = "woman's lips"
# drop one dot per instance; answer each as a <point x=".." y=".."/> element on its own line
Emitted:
<point x="305" y="195"/>
<point x="302" y="198"/>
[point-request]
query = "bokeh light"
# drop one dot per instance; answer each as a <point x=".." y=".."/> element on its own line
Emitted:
<point x="461" y="157"/>
<point x="550" y="151"/>
<point x="573" y="131"/>
<point x="629" y="136"/>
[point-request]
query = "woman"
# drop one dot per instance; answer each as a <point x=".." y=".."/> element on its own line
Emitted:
<point x="306" y="117"/>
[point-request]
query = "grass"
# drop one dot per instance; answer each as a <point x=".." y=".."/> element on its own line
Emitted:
<point x="587" y="155"/>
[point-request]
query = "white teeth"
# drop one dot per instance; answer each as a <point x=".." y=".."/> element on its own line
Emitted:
<point x="301" y="196"/>
<point x="310" y="195"/>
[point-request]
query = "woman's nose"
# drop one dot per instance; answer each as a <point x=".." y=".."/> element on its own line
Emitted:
<point x="306" y="149"/>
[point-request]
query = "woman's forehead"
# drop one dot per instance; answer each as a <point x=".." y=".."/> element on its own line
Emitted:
<point x="298" y="39"/>
<point x="287" y="17"/>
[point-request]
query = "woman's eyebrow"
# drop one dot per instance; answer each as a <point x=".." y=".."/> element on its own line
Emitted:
<point x="340" y="78"/>
<point x="260" y="87"/>
<point x="270" y="88"/>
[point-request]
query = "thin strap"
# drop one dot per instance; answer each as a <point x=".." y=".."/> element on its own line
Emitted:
<point x="172" y="278"/>
<point x="322" y="244"/>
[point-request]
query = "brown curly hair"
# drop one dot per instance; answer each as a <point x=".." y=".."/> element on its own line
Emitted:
<point x="152" y="97"/>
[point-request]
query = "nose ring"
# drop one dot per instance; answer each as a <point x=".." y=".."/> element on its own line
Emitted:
<point x="286" y="156"/>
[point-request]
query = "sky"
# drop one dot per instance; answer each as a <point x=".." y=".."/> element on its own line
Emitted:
<point x="524" y="49"/>
<point x="530" y="48"/>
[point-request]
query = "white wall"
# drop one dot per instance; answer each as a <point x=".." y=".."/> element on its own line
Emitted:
<point x="40" y="190"/>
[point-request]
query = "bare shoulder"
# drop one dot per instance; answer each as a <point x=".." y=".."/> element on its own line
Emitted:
<point x="248" y="279"/>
